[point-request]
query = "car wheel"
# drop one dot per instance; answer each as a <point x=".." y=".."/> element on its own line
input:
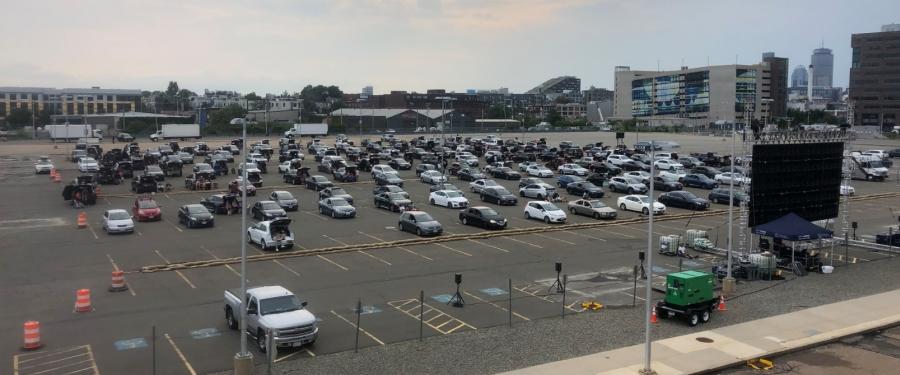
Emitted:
<point x="229" y="319"/>
<point x="704" y="316"/>
<point x="449" y="205"/>
<point x="432" y="202"/>
<point x="261" y="340"/>
<point x="630" y="190"/>
<point x="465" y="221"/>
<point x="572" y="210"/>
<point x="645" y="211"/>
<point x="693" y="318"/>
<point x="547" y="219"/>
<point x="527" y="215"/>
<point x="622" y="206"/>
<point x="521" y="193"/>
<point x="482" y="198"/>
<point x="418" y="231"/>
<point x="249" y="238"/>
<point x="596" y="216"/>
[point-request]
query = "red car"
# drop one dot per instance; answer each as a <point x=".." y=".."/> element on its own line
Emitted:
<point x="146" y="209"/>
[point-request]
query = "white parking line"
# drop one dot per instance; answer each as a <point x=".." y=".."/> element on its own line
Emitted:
<point x="116" y="268"/>
<point x="183" y="277"/>
<point x="553" y="238"/>
<point x="399" y="247"/>
<point x="489" y="245"/>
<point x="371" y="336"/>
<point x="358" y="251"/>
<point x="333" y="262"/>
<point x="584" y="235"/>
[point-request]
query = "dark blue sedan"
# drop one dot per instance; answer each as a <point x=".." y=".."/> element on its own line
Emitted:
<point x="565" y="180"/>
<point x="700" y="181"/>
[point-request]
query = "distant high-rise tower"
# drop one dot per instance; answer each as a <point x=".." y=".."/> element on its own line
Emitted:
<point x="799" y="78"/>
<point x="367" y="91"/>
<point x="890" y="27"/>
<point x="778" y="76"/>
<point x="823" y="63"/>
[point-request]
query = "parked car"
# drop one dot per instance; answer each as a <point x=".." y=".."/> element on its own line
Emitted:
<point x="388" y="178"/>
<point x="400" y="164"/>
<point x="43" y="165"/>
<point x="478" y="186"/>
<point x="523" y="166"/>
<point x="530" y="180"/>
<point x="540" y="191"/>
<point x="582" y="188"/>
<point x="640" y="175"/>
<point x="443" y="186"/>
<point x="639" y="203"/>
<point x="218" y="203"/>
<point x="565" y="180"/>
<point x="482" y="216"/>
<point x="690" y="162"/>
<point x="546" y="211"/>
<point x="424" y="167"/>
<point x="699" y="181"/>
<point x="448" y="198"/>
<point x="267" y="210"/>
<point x="195" y="215"/>
<point x="146" y="209"/>
<point x="572" y="169"/>
<point x="706" y="171"/>
<point x="895" y="153"/>
<point x="498" y="195"/>
<point x="470" y="174"/>
<point x="389" y="189"/>
<point x="539" y="171"/>
<point x="335" y="192"/>
<point x="393" y="201"/>
<point x="683" y="199"/>
<point x="722" y="196"/>
<point x="117" y="221"/>
<point x="727" y="178"/>
<point x="318" y="182"/>
<point x="665" y="183"/>
<point x="273" y="234"/>
<point x="272" y="309"/>
<point x="628" y="185"/>
<point x="285" y="200"/>
<point x="593" y="208"/>
<point x="420" y="223"/>
<point x="432" y="177"/>
<point x="88" y="165"/>
<point x="505" y="173"/>
<point x="336" y="207"/>
<point x="124" y="137"/>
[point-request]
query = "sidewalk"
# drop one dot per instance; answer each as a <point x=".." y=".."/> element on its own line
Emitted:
<point x="740" y="342"/>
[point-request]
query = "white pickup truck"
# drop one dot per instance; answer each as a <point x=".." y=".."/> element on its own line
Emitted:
<point x="272" y="309"/>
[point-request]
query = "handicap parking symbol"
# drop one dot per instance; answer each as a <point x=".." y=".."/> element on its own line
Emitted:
<point x="205" y="333"/>
<point x="494" y="292"/>
<point x="129" y="344"/>
<point x="368" y="309"/>
<point x="442" y="298"/>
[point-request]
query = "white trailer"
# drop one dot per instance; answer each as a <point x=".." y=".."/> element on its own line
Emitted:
<point x="309" y="129"/>
<point x="181" y="131"/>
<point x="69" y="132"/>
<point x="867" y="167"/>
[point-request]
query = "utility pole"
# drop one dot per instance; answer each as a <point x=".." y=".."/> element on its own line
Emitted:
<point x="648" y="296"/>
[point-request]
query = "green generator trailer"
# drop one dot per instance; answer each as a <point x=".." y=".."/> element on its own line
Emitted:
<point x="689" y="295"/>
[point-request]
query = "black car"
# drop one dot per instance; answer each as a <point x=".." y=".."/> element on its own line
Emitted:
<point x="506" y="173"/>
<point x="721" y="196"/>
<point x="529" y="181"/>
<point x="425" y="167"/>
<point x="267" y="210"/>
<point x="393" y="201"/>
<point x="420" y="223"/>
<point x="470" y="174"/>
<point x="634" y="165"/>
<point x="690" y="162"/>
<point x="399" y="164"/>
<point x="895" y="153"/>
<point x="318" y="182"/>
<point x="388" y="178"/>
<point x="683" y="199"/>
<point x="699" y="180"/>
<point x="663" y="184"/>
<point x="498" y="195"/>
<point x="218" y="203"/>
<point x="143" y="184"/>
<point x="596" y="179"/>
<point x="482" y="216"/>
<point x="582" y="188"/>
<point x="706" y="171"/>
<point x="195" y="215"/>
<point x="335" y="192"/>
<point x="124" y="137"/>
<point x="154" y="171"/>
<point x="389" y="189"/>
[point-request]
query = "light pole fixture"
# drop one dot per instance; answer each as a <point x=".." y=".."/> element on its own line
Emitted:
<point x="243" y="360"/>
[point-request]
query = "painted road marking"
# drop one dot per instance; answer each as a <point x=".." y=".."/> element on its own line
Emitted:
<point x="493" y="292"/>
<point x="452" y="249"/>
<point x="584" y="235"/>
<point x="183" y="277"/>
<point x="371" y="336"/>
<point x="32" y="223"/>
<point x="74" y="360"/>
<point x="236" y="273"/>
<point x="317" y="216"/>
<point x="489" y="245"/>
<point x="333" y="262"/>
<point x="442" y="298"/>
<point x="311" y="354"/>
<point x="358" y="251"/>
<point x="534" y="294"/>
<point x="522" y="242"/>
<point x="616" y="233"/>
<point x="184" y="360"/>
<point x="107" y="201"/>
<point x="91" y="227"/>
<point x="116" y="268"/>
<point x="553" y="238"/>
<point x="520" y="316"/>
<point x="399" y="247"/>
<point x="205" y="333"/>
<point x="411" y="307"/>
<point x="367" y="309"/>
<point x="289" y="269"/>
<point x="128" y="344"/>
<point x="173" y="225"/>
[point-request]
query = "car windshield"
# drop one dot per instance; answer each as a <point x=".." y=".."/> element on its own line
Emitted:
<point x="338" y="191"/>
<point x="283" y="195"/>
<point x="396" y="196"/>
<point x="153" y="168"/>
<point x="88" y="160"/>
<point x="269" y="205"/>
<point x="118" y="215"/>
<point x="597" y="204"/>
<point x="146" y="203"/>
<point x="453" y="194"/>
<point x="339" y="202"/>
<point x="688" y="195"/>
<point x="277" y="305"/>
<point x="551" y="207"/>
<point x="490" y="183"/>
<point x="422" y="217"/>
<point x="487" y="211"/>
<point x="632" y="180"/>
<point x="197" y="209"/>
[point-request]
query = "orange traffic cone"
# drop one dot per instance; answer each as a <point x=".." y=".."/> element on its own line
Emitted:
<point x="83" y="300"/>
<point x="57" y="178"/>
<point x="82" y="220"/>
<point x="52" y="174"/>
<point x="722" y="304"/>
<point x="653" y="318"/>
<point x="118" y="282"/>
<point x="32" y="335"/>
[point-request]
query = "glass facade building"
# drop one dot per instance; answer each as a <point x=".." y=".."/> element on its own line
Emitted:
<point x="668" y="95"/>
<point x="641" y="97"/>
<point x="696" y="92"/>
<point x="745" y="90"/>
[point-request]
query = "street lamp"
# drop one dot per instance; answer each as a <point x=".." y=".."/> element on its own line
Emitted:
<point x="243" y="360"/>
<point x="444" y="100"/>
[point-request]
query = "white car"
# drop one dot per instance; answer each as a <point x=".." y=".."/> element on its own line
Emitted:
<point x="847" y="190"/>
<point x="88" y="165"/>
<point x="677" y="172"/>
<point x="43" y="165"/>
<point x="117" y="221"/>
<point x="273" y="234"/>
<point x="432" y="177"/>
<point x="523" y="166"/>
<point x="726" y="178"/>
<point x="448" y="198"/>
<point x="284" y="167"/>
<point x="640" y="175"/>
<point x="470" y="160"/>
<point x="539" y="191"/>
<point x="546" y="211"/>
<point x="616" y="159"/>
<point x="538" y="171"/>
<point x="382" y="168"/>
<point x="879" y="153"/>
<point x="572" y="168"/>
<point x="478" y="186"/>
<point x="667" y="164"/>
<point x="639" y="203"/>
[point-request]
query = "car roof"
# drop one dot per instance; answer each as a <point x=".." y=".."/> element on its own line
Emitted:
<point x="116" y="210"/>
<point x="264" y="292"/>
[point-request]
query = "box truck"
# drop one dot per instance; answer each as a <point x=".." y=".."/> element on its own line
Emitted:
<point x="68" y="132"/>
<point x="181" y="131"/>
<point x="300" y="130"/>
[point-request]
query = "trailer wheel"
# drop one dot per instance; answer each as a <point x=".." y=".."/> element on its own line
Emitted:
<point x="704" y="316"/>
<point x="693" y="318"/>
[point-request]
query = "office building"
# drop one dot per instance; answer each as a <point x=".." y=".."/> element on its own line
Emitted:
<point x="691" y="97"/>
<point x="71" y="102"/>
<point x="875" y="79"/>
<point x="367" y="92"/>
<point x="799" y="78"/>
<point x="891" y="27"/>
<point x="778" y="79"/>
<point x="823" y="67"/>
<point x="558" y="85"/>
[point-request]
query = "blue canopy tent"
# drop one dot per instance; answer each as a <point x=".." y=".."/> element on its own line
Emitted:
<point x="792" y="227"/>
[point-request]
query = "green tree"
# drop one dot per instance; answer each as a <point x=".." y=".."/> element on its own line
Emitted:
<point x="43" y="117"/>
<point x="497" y="111"/>
<point x="318" y="94"/>
<point x="553" y="117"/>
<point x="18" y="118"/>
<point x="252" y="96"/>
<point x="172" y="90"/>
<point x="221" y="119"/>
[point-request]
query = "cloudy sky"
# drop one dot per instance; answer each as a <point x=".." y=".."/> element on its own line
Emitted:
<point x="272" y="46"/>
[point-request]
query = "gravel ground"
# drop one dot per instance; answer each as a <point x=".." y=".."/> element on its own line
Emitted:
<point x="492" y="350"/>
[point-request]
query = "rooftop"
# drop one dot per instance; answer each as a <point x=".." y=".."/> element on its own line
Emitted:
<point x="50" y="90"/>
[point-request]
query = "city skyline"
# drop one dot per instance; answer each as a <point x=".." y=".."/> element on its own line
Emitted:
<point x="276" y="46"/>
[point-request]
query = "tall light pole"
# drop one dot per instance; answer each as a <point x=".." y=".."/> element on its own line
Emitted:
<point x="243" y="360"/>
<point x="444" y="100"/>
<point x="649" y="289"/>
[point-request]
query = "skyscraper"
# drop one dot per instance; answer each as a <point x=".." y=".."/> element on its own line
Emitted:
<point x="799" y="78"/>
<point x="823" y="62"/>
<point x="874" y="79"/>
<point x="778" y="77"/>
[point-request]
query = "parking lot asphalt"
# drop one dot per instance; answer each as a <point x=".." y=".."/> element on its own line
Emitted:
<point x="47" y="258"/>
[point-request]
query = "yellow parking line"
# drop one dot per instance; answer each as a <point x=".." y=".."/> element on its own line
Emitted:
<point x="116" y="268"/>
<point x="371" y="336"/>
<point x="184" y="360"/>
<point x="520" y="316"/>
<point x="523" y="242"/>
<point x="452" y="249"/>
<point x="553" y="238"/>
<point x="489" y="245"/>
<point x="358" y="251"/>
<point x="333" y="262"/>
<point x="399" y="247"/>
<point x="289" y="269"/>
<point x="183" y="277"/>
